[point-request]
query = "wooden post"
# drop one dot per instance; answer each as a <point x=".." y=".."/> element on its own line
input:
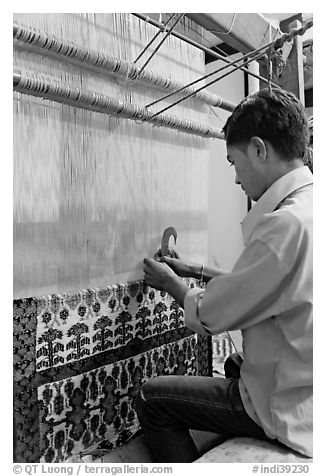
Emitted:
<point x="292" y="77"/>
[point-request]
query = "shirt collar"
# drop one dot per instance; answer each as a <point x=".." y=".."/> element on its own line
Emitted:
<point x="273" y="196"/>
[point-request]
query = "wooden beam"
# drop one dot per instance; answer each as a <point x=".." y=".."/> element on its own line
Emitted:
<point x="249" y="30"/>
<point x="222" y="48"/>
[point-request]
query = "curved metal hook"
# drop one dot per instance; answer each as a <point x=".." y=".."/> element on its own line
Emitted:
<point x="170" y="231"/>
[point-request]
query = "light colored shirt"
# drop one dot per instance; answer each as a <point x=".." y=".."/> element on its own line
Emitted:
<point x="268" y="295"/>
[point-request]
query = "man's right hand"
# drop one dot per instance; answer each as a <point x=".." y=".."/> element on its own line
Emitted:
<point x="181" y="266"/>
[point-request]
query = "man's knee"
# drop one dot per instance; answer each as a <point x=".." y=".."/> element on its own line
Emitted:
<point x="147" y="391"/>
<point x="232" y="365"/>
<point x="152" y="387"/>
<point x="147" y="397"/>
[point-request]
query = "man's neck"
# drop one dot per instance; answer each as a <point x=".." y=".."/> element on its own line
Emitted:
<point x="281" y="168"/>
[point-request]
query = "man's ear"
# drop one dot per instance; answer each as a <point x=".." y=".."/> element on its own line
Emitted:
<point x="258" y="148"/>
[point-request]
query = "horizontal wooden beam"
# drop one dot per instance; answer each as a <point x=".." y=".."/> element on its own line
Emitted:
<point x="243" y="31"/>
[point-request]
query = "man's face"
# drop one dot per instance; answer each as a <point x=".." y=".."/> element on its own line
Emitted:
<point x="247" y="170"/>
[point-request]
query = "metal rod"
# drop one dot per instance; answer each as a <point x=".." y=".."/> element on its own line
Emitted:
<point x="258" y="55"/>
<point x="152" y="40"/>
<point x="161" y="43"/>
<point x="196" y="44"/>
<point x="16" y="78"/>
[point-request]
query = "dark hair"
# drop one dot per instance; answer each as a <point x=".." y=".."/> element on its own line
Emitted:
<point x="276" y="116"/>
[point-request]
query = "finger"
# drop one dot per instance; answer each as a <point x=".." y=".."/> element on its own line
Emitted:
<point x="154" y="265"/>
<point x="148" y="269"/>
<point x="149" y="262"/>
<point x="167" y="260"/>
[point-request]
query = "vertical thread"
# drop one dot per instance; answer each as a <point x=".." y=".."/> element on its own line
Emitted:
<point x="93" y="193"/>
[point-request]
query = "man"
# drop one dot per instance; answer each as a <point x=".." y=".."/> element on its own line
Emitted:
<point x="268" y="295"/>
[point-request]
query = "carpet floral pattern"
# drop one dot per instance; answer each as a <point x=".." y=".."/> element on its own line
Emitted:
<point x="80" y="358"/>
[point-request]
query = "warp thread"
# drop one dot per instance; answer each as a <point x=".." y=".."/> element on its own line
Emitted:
<point x="93" y="191"/>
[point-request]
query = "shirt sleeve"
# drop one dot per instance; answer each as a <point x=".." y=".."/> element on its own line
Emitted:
<point x="249" y="294"/>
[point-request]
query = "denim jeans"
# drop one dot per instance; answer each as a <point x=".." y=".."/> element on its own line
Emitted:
<point x="169" y="406"/>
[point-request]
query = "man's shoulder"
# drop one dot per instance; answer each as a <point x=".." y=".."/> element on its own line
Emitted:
<point x="285" y="233"/>
<point x="293" y="213"/>
<point x="278" y="222"/>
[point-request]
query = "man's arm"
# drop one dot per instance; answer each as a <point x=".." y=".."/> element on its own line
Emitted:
<point x="248" y="295"/>
<point x="161" y="275"/>
<point x="185" y="268"/>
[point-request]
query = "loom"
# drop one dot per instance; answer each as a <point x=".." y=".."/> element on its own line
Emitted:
<point x="72" y="229"/>
<point x="100" y="171"/>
